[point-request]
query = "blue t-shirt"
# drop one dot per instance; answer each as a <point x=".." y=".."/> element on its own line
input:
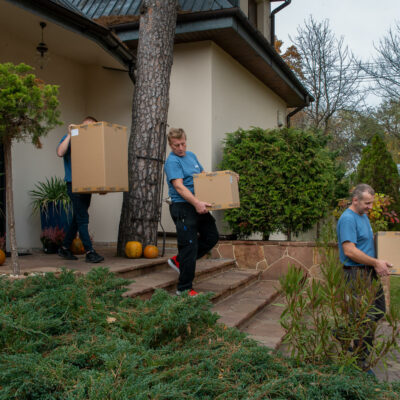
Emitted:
<point x="67" y="162"/>
<point x="181" y="168"/>
<point x="356" y="229"/>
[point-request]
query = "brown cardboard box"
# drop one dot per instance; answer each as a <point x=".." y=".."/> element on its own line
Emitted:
<point x="218" y="188"/>
<point x="99" y="158"/>
<point x="388" y="249"/>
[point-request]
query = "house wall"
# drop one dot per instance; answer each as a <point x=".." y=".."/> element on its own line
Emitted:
<point x="239" y="101"/>
<point x="191" y="105"/>
<point x="83" y="90"/>
<point x="210" y="94"/>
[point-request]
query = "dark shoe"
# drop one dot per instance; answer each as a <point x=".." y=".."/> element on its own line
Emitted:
<point x="174" y="264"/>
<point x="93" y="257"/>
<point x="66" y="254"/>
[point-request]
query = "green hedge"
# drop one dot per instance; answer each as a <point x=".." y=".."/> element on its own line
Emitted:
<point x="287" y="180"/>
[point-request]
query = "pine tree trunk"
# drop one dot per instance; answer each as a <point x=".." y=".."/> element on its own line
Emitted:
<point x="10" y="208"/>
<point x="142" y="204"/>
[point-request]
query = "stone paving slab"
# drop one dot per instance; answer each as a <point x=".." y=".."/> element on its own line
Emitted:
<point x="144" y="285"/>
<point x="38" y="261"/>
<point x="237" y="310"/>
<point x="265" y="327"/>
<point x="226" y="283"/>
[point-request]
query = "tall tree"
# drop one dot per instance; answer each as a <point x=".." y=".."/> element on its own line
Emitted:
<point x="378" y="169"/>
<point x="329" y="73"/>
<point x="385" y="68"/>
<point x="141" y="205"/>
<point x="28" y="111"/>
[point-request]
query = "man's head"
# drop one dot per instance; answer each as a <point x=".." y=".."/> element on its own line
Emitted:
<point x="362" y="198"/>
<point x="89" y="120"/>
<point x="177" y="141"/>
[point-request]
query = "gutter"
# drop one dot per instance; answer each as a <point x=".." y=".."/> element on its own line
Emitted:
<point x="272" y="16"/>
<point x="295" y="111"/>
<point x="82" y="25"/>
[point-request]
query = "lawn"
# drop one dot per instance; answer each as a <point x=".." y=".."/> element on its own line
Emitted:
<point x="395" y="290"/>
<point x="74" y="337"/>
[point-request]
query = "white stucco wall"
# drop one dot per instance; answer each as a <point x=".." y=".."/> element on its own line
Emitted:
<point x="210" y="94"/>
<point x="191" y="105"/>
<point x="84" y="90"/>
<point x="239" y="101"/>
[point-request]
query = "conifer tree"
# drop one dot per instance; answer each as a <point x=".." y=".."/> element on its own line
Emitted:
<point x="378" y="169"/>
<point x="28" y="110"/>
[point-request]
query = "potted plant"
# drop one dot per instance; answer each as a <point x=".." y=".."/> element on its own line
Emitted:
<point x="52" y="239"/>
<point x="51" y="200"/>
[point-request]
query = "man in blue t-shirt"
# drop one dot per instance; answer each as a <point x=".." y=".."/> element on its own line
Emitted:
<point x="357" y="254"/>
<point x="196" y="231"/>
<point x="80" y="205"/>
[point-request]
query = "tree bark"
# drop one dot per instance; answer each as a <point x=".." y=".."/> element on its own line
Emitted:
<point x="10" y="207"/>
<point x="141" y="206"/>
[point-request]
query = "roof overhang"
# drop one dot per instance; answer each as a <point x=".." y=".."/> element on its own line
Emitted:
<point x="233" y="32"/>
<point x="68" y="27"/>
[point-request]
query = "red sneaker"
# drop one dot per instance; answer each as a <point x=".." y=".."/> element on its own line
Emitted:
<point x="191" y="293"/>
<point x="174" y="264"/>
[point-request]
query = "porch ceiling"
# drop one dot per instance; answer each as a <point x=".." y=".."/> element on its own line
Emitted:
<point x="23" y="24"/>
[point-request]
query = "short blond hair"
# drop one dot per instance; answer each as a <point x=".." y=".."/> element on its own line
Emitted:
<point x="176" y="133"/>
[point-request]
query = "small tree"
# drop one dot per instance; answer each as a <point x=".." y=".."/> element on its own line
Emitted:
<point x="378" y="169"/>
<point x="28" y="110"/>
<point x="286" y="180"/>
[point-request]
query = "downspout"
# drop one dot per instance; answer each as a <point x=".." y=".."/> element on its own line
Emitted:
<point x="296" y="110"/>
<point x="275" y="11"/>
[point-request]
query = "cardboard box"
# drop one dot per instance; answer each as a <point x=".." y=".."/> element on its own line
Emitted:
<point x="388" y="249"/>
<point x="99" y="158"/>
<point x="217" y="188"/>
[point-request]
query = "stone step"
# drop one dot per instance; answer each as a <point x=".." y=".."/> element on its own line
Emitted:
<point x="265" y="328"/>
<point x="238" y="309"/>
<point x="227" y="283"/>
<point x="166" y="278"/>
<point x="137" y="267"/>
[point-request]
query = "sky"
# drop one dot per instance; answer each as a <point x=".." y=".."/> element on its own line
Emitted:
<point x="362" y="23"/>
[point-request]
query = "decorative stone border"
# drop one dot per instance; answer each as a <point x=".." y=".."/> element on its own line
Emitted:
<point x="275" y="257"/>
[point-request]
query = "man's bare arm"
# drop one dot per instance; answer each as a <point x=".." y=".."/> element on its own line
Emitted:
<point x="381" y="266"/>
<point x="200" y="206"/>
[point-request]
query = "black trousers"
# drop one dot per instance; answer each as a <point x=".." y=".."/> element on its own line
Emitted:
<point x="378" y="309"/>
<point x="197" y="235"/>
<point x="80" y="220"/>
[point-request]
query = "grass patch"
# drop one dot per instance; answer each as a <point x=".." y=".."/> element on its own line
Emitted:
<point x="395" y="289"/>
<point x="72" y="337"/>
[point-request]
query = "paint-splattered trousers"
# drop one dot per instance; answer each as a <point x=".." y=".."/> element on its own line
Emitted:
<point x="197" y="234"/>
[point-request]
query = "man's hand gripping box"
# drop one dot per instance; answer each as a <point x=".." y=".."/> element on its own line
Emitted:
<point x="219" y="188"/>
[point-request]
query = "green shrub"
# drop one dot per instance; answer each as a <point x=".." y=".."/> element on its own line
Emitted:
<point x="286" y="180"/>
<point x="320" y="321"/>
<point x="76" y="338"/>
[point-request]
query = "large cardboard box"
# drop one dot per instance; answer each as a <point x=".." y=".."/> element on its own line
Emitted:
<point x="99" y="158"/>
<point x="388" y="248"/>
<point x="217" y="188"/>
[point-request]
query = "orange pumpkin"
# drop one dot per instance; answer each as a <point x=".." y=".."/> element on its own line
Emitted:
<point x="133" y="249"/>
<point x="2" y="257"/>
<point x="150" y="251"/>
<point x="77" y="246"/>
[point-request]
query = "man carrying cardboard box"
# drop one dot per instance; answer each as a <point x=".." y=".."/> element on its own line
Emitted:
<point x="357" y="254"/>
<point x="195" y="226"/>
<point x="80" y="205"/>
